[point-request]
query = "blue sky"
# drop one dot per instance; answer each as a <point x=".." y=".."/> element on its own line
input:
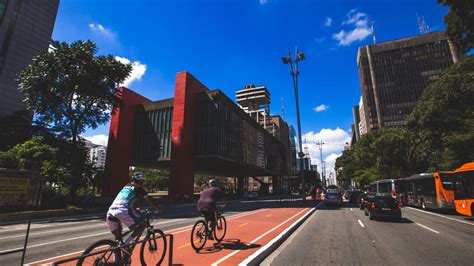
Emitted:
<point x="227" y="44"/>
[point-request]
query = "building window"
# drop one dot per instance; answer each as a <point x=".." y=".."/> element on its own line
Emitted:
<point x="9" y="34"/>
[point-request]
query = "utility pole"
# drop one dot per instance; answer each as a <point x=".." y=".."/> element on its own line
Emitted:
<point x="320" y="143"/>
<point x="299" y="56"/>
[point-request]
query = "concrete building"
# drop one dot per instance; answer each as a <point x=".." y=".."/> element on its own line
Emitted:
<point x="25" y="29"/>
<point x="394" y="74"/>
<point x="362" y="120"/>
<point x="97" y="154"/>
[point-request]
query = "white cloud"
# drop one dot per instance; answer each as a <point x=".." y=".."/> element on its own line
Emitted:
<point x="103" y="31"/>
<point x="321" y="108"/>
<point x="328" y="22"/>
<point x="138" y="70"/>
<point x="319" y="40"/>
<point x="262" y="2"/>
<point x="358" y="21"/>
<point x="334" y="141"/>
<point x="100" y="139"/>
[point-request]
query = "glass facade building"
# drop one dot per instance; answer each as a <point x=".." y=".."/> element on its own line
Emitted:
<point x="25" y="28"/>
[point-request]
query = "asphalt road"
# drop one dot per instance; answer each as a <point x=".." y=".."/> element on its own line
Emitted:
<point x="345" y="236"/>
<point x="53" y="238"/>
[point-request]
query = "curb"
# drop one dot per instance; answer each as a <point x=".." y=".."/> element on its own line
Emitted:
<point x="260" y="255"/>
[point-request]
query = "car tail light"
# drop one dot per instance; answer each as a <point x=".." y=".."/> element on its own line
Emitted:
<point x="372" y="206"/>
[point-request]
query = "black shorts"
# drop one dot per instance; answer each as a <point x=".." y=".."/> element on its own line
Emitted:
<point x="209" y="215"/>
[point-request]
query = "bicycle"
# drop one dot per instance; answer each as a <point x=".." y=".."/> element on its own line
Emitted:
<point x="118" y="252"/>
<point x="200" y="232"/>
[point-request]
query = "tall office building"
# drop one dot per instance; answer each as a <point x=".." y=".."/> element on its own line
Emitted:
<point x="394" y="74"/>
<point x="25" y="28"/>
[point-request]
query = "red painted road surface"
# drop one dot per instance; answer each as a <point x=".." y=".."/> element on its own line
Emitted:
<point x="246" y="233"/>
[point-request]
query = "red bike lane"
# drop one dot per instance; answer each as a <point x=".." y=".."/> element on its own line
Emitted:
<point x="246" y="233"/>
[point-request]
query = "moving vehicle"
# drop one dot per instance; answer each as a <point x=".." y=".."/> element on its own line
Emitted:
<point x="333" y="197"/>
<point x="464" y="189"/>
<point x="203" y="229"/>
<point x="429" y="190"/>
<point x="383" y="207"/>
<point x="392" y="187"/>
<point x="354" y="196"/>
<point x="364" y="198"/>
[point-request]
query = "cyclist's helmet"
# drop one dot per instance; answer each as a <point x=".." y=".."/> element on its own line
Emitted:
<point x="212" y="182"/>
<point x="138" y="176"/>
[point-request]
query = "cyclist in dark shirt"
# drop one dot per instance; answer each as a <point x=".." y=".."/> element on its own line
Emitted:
<point x="207" y="203"/>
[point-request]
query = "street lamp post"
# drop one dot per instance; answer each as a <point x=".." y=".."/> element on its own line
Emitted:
<point x="320" y="143"/>
<point x="299" y="56"/>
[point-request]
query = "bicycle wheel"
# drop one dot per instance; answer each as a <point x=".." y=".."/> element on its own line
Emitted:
<point x="199" y="235"/>
<point x="107" y="257"/>
<point x="220" y="229"/>
<point x="153" y="249"/>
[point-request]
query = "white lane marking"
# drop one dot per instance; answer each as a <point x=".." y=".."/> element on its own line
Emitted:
<point x="55" y="231"/>
<point x="269" y="244"/>
<point x="426" y="227"/>
<point x="258" y="238"/>
<point x="457" y="220"/>
<point x="188" y="227"/>
<point x="351" y="209"/>
<point x="361" y="224"/>
<point x="34" y="225"/>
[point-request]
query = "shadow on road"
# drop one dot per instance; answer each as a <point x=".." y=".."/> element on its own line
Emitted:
<point x="389" y="220"/>
<point x="229" y="244"/>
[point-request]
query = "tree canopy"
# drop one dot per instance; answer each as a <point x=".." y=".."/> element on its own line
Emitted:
<point x="460" y="21"/>
<point x="69" y="88"/>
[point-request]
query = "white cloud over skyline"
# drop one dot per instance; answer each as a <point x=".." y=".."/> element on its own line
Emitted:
<point x="334" y="141"/>
<point x="358" y="22"/>
<point x="138" y="70"/>
<point x="321" y="108"/>
<point x="100" y="139"/>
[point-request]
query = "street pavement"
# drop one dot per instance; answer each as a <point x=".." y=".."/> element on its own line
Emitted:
<point x="247" y="220"/>
<point x="331" y="235"/>
<point x="345" y="236"/>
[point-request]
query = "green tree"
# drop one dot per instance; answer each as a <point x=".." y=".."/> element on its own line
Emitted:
<point x="460" y="21"/>
<point x="365" y="176"/>
<point x="69" y="89"/>
<point x="443" y="119"/>
<point x="156" y="179"/>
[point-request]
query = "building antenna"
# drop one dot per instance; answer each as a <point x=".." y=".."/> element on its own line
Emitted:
<point x="282" y="108"/>
<point x="372" y="31"/>
<point x="422" y="26"/>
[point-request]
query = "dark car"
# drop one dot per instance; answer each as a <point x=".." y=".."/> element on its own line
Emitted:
<point x="364" y="198"/>
<point x="383" y="207"/>
<point x="354" y="196"/>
